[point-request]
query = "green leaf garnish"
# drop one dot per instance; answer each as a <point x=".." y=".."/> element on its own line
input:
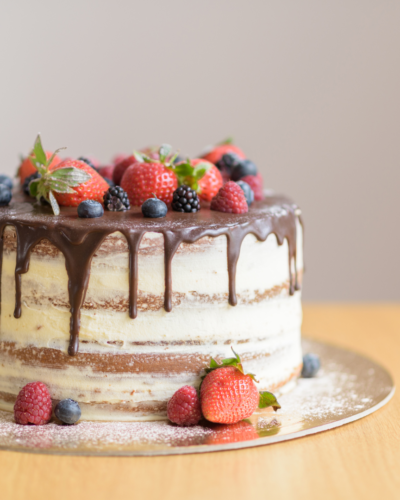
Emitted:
<point x="38" y="151"/>
<point x="189" y="175"/>
<point x="236" y="362"/>
<point x="164" y="152"/>
<point x="268" y="399"/>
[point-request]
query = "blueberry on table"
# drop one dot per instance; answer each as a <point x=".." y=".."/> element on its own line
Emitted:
<point x="311" y="365"/>
<point x="7" y="181"/>
<point x="154" y="208"/>
<point x="5" y="195"/>
<point x="248" y="192"/>
<point x="245" y="167"/>
<point x="68" y="411"/>
<point x="90" y="209"/>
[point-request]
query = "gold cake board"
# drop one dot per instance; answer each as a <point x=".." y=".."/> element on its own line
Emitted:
<point x="347" y="388"/>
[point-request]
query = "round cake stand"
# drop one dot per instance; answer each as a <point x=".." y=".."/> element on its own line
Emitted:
<point x="348" y="387"/>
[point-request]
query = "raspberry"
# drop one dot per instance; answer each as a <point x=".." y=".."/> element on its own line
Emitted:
<point x="256" y="184"/>
<point x="230" y="199"/>
<point x="33" y="405"/>
<point x="184" y="407"/>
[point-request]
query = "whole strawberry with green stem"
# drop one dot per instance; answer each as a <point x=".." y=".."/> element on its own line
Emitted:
<point x="201" y="175"/>
<point x="148" y="177"/>
<point x="229" y="395"/>
<point x="67" y="183"/>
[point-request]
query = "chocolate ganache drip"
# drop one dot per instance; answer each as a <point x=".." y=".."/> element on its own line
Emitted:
<point x="79" y="239"/>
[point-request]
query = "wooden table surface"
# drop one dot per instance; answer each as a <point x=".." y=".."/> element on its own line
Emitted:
<point x="360" y="460"/>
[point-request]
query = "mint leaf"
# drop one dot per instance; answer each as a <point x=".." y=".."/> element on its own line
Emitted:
<point x="38" y="151"/>
<point x="268" y="399"/>
<point x="164" y="152"/>
<point x="53" y="203"/>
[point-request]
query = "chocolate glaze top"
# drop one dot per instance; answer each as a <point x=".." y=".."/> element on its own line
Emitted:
<point x="78" y="239"/>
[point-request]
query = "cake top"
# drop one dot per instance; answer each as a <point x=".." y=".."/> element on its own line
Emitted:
<point x="70" y="203"/>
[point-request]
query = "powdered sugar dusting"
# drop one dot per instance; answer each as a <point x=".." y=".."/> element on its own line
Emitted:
<point x="346" y="385"/>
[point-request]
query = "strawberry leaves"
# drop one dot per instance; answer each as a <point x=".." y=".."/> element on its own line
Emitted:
<point x="268" y="399"/>
<point x="189" y="175"/>
<point x="62" y="180"/>
<point x="235" y="362"/>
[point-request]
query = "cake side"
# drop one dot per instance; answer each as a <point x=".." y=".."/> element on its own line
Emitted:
<point x="128" y="368"/>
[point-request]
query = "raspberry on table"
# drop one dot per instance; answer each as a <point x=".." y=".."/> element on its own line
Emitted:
<point x="184" y="407"/>
<point x="33" y="405"/>
<point x="230" y="199"/>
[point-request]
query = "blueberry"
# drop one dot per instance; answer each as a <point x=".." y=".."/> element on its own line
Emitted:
<point x="68" y="411"/>
<point x="90" y="209"/>
<point x="87" y="161"/>
<point x="154" y="208"/>
<point x="4" y="179"/>
<point x="248" y="192"/>
<point x="5" y="195"/>
<point x="109" y="182"/>
<point x="311" y="365"/>
<point x="245" y="167"/>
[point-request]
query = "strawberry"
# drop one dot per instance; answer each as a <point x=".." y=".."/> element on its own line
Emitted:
<point x="28" y="167"/>
<point x="200" y="175"/>
<point x="120" y="168"/>
<point x="56" y="183"/>
<point x="230" y="199"/>
<point x="217" y="152"/>
<point x="256" y="184"/>
<point x="92" y="189"/>
<point x="228" y="395"/>
<point x="234" y="433"/>
<point x="148" y="178"/>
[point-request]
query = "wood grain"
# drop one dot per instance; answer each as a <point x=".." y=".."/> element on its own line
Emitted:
<point x="359" y="460"/>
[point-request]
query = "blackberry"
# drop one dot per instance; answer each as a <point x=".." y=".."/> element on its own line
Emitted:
<point x="311" y="365"/>
<point x="116" y="199"/>
<point x="25" y="185"/>
<point x="228" y="162"/>
<point x="87" y="161"/>
<point x="185" y="200"/>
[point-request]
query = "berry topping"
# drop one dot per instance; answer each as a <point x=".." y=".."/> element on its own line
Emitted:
<point x="311" y="365"/>
<point x="121" y="167"/>
<point x="148" y="177"/>
<point x="90" y="209"/>
<point x="116" y="200"/>
<point x="184" y="407"/>
<point x="154" y="208"/>
<point x="228" y="395"/>
<point x="201" y="175"/>
<point x="256" y="184"/>
<point x="248" y="192"/>
<point x="243" y="168"/>
<point x="230" y="199"/>
<point x="5" y="195"/>
<point x="185" y="200"/>
<point x="27" y="181"/>
<point x="68" y="411"/>
<point x="88" y="161"/>
<point x="227" y="162"/>
<point x="216" y="152"/>
<point x="107" y="171"/>
<point x="33" y="405"/>
<point x="7" y="181"/>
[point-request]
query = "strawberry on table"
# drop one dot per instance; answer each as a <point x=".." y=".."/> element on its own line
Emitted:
<point x="215" y="153"/>
<point x="228" y="395"/>
<point x="201" y="175"/>
<point x="121" y="167"/>
<point x="68" y="183"/>
<point x="148" y="178"/>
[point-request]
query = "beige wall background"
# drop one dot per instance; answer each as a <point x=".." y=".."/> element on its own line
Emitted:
<point x="309" y="89"/>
